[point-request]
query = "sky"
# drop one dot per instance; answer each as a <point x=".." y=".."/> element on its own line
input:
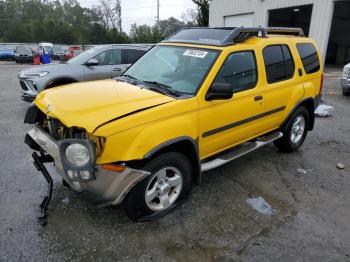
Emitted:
<point x="145" y="11"/>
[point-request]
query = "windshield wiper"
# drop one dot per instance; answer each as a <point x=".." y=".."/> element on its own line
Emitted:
<point x="129" y="76"/>
<point x="165" y="89"/>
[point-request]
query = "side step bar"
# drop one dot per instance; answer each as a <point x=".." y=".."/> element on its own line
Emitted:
<point x="240" y="151"/>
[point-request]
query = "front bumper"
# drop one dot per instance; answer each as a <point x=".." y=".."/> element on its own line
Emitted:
<point x="345" y="84"/>
<point x="30" y="87"/>
<point x="24" y="58"/>
<point x="109" y="187"/>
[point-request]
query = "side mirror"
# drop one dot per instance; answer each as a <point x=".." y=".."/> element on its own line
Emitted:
<point x="91" y="62"/>
<point x="219" y="91"/>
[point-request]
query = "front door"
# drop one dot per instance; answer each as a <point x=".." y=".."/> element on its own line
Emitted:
<point x="104" y="68"/>
<point x="224" y="123"/>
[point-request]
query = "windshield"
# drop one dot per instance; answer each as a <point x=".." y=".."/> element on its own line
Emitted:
<point x="57" y="49"/>
<point x="84" y="56"/>
<point x="181" y="69"/>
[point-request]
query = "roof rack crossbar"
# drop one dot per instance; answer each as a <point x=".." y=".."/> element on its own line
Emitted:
<point x="240" y="34"/>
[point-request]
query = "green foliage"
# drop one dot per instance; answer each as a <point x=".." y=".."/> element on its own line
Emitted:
<point x="55" y="21"/>
<point x="155" y="34"/>
<point x="202" y="16"/>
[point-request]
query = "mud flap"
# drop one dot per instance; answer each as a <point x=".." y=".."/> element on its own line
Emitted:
<point x="39" y="164"/>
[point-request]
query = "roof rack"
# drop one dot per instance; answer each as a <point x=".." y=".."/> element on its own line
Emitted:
<point x="223" y="36"/>
<point x="240" y="34"/>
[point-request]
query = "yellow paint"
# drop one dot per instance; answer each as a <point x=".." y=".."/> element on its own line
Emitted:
<point x="92" y="104"/>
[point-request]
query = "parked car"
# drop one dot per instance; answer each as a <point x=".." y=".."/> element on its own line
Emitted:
<point x="102" y="62"/>
<point x="6" y="53"/>
<point x="194" y="102"/>
<point x="72" y="52"/>
<point x="45" y="48"/>
<point x="24" y="54"/>
<point x="57" y="53"/>
<point x="345" y="80"/>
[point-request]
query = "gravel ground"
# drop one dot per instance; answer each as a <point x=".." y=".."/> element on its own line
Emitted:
<point x="311" y="224"/>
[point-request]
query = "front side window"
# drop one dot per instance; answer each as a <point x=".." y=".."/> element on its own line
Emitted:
<point x="279" y="63"/>
<point x="239" y="71"/>
<point x="309" y="57"/>
<point x="181" y="69"/>
<point x="109" y="57"/>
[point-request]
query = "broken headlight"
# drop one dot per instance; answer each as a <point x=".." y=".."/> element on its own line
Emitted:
<point x="78" y="159"/>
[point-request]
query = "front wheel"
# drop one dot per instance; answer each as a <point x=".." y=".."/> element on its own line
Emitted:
<point x="295" y="131"/>
<point x="170" y="182"/>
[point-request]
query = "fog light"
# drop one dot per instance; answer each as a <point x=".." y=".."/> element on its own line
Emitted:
<point x="73" y="174"/>
<point x="85" y="175"/>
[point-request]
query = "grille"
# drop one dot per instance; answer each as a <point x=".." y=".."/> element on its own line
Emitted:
<point x="59" y="131"/>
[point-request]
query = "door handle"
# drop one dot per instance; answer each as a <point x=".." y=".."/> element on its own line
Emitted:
<point x="257" y="98"/>
<point x="117" y="69"/>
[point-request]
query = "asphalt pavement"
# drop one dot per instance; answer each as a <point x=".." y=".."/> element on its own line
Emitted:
<point x="312" y="222"/>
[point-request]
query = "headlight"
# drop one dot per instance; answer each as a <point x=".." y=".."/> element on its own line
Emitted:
<point x="346" y="71"/>
<point x="77" y="154"/>
<point x="78" y="158"/>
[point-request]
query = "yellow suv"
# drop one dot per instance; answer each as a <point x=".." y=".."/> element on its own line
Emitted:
<point x="196" y="101"/>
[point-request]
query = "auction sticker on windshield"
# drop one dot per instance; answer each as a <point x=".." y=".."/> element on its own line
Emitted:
<point x="195" y="53"/>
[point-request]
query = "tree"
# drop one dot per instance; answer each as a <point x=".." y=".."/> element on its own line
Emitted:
<point x="202" y="16"/>
<point x="111" y="11"/>
<point x="156" y="33"/>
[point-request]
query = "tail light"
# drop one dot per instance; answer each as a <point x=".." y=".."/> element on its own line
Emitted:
<point x="321" y="85"/>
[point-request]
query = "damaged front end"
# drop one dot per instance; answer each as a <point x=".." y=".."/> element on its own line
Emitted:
<point x="74" y="153"/>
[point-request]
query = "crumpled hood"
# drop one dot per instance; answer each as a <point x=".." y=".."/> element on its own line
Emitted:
<point x="91" y="104"/>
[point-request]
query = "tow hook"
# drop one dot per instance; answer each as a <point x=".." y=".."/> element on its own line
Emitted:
<point x="39" y="164"/>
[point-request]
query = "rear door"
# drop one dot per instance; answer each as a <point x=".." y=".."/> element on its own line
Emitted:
<point x="129" y="56"/>
<point x="283" y="86"/>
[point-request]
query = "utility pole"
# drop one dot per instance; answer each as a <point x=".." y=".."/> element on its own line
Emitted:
<point x="157" y="12"/>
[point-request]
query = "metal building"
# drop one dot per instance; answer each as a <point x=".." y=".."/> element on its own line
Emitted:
<point x="326" y="21"/>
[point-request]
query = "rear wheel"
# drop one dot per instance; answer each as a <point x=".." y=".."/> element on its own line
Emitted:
<point x="170" y="182"/>
<point x="295" y="131"/>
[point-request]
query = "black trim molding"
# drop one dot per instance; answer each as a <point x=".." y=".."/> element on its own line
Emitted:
<point x="242" y="122"/>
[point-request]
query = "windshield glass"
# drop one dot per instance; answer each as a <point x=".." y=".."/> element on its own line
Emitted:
<point x="84" y="56"/>
<point x="57" y="49"/>
<point x="180" y="68"/>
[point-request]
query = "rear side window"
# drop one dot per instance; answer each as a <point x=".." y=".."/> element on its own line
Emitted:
<point x="309" y="57"/>
<point x="279" y="63"/>
<point x="132" y="55"/>
<point x="239" y="71"/>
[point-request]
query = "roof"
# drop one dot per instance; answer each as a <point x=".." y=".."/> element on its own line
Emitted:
<point x="224" y="36"/>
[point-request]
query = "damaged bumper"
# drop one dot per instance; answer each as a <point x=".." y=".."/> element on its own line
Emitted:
<point x="108" y="187"/>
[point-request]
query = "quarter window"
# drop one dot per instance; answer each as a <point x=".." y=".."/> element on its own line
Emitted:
<point x="309" y="57"/>
<point x="239" y="71"/>
<point x="279" y="64"/>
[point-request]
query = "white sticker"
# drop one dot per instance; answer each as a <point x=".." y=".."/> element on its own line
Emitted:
<point x="195" y="53"/>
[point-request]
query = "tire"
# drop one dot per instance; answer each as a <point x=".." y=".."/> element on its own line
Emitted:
<point x="164" y="168"/>
<point x="346" y="93"/>
<point x="294" y="133"/>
